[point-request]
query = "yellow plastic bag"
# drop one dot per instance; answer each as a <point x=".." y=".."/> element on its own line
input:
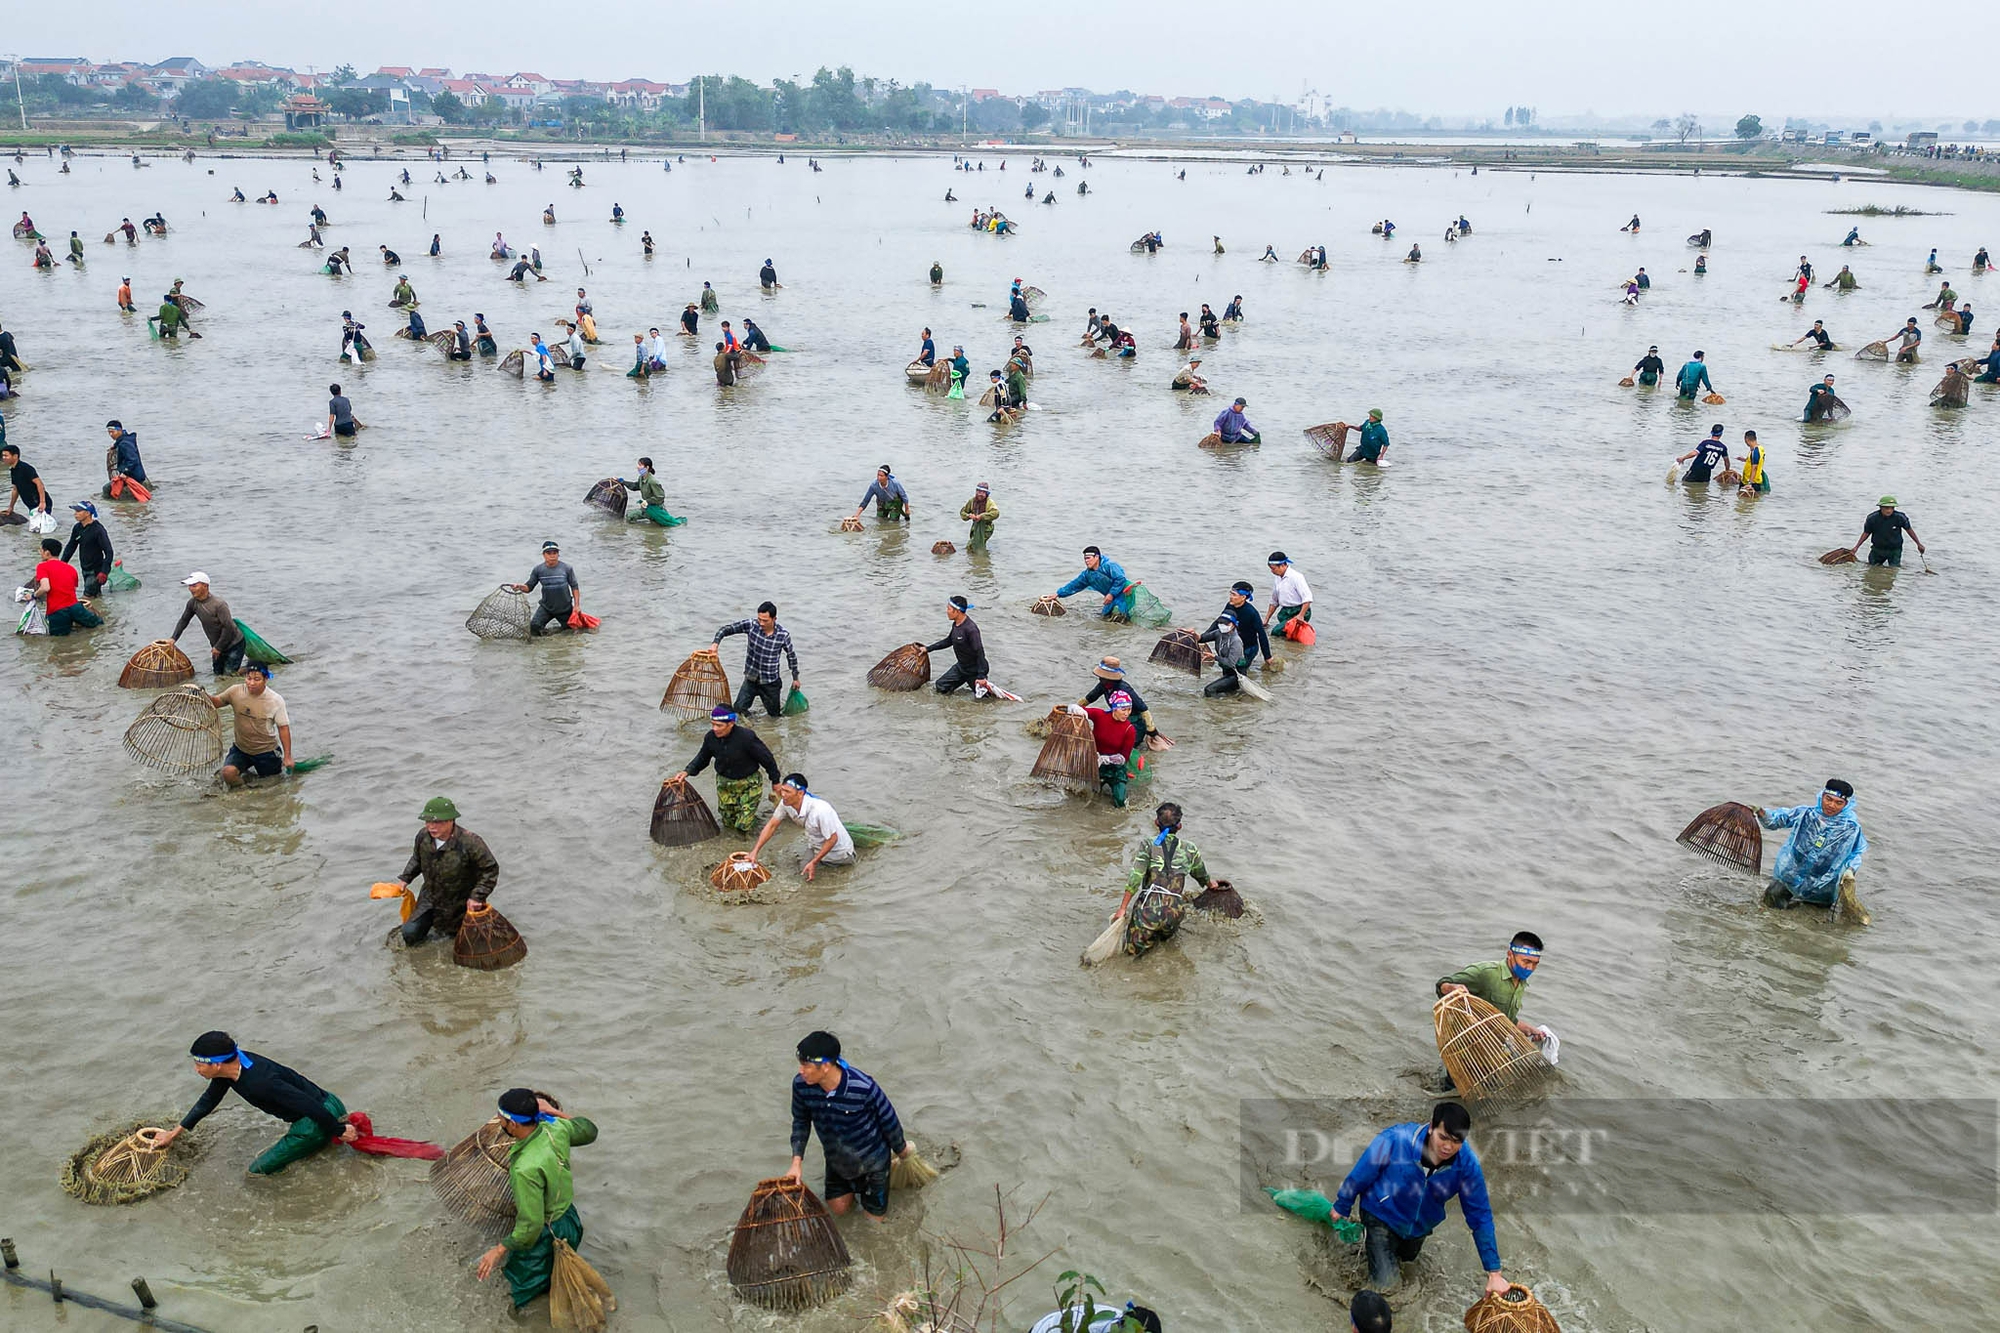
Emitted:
<point x="391" y="889"/>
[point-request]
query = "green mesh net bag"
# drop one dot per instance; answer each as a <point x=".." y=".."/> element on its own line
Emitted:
<point x="120" y="581"/>
<point x="259" y="649"/>
<point x="1148" y="610"/>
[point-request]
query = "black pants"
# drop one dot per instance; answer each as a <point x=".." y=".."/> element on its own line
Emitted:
<point x="231" y="658"/>
<point x="1885" y="555"/>
<point x="93" y="581"/>
<point x="751" y="690"/>
<point x="546" y="615"/>
<point x="1228" y="684"/>
<point x="952" y="679"/>
<point x="417" y="930"/>
<point x="1386" y="1252"/>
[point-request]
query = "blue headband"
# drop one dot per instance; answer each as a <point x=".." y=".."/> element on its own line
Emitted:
<point x="540" y="1117"/>
<point x="236" y="1054"/>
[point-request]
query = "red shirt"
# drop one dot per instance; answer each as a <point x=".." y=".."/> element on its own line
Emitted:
<point x="61" y="575"/>
<point x="1113" y="736"/>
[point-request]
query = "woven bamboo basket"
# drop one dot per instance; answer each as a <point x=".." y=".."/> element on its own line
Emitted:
<point x="908" y="668"/>
<point x="159" y="664"/>
<point x="1485" y="1054"/>
<point x="1048" y="604"/>
<point x="917" y="372"/>
<point x="1947" y="322"/>
<point x="177" y="733"/>
<point x="1951" y="391"/>
<point x="124" y="1166"/>
<point x="943" y="548"/>
<point x="850" y="524"/>
<point x="1729" y="833"/>
<point x="1839" y="555"/>
<point x="1179" y="649"/>
<point x="1875" y="351"/>
<point x="515" y="363"/>
<point x="1221" y="898"/>
<point x="1069" y="756"/>
<point x="504" y="614"/>
<point x="680" y="817"/>
<point x="739" y="874"/>
<point x="939" y="380"/>
<point x="1212" y="440"/>
<point x="748" y="364"/>
<point x="1514" y="1310"/>
<point x="697" y="687"/>
<point x="1033" y="297"/>
<point x="608" y="495"/>
<point x="786" y="1254"/>
<point x="444" y="341"/>
<point x="487" y="941"/>
<point x="1330" y="439"/>
<point x="471" y="1178"/>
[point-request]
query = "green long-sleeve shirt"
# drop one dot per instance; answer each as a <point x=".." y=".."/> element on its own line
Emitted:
<point x="986" y="515"/>
<point x="538" y="1169"/>
<point x="651" y="492"/>
<point x="1493" y="983"/>
<point x="1151" y="860"/>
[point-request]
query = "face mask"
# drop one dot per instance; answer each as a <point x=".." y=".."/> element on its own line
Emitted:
<point x="1520" y="973"/>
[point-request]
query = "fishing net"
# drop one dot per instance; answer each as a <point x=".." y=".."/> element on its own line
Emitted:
<point x="1180" y="649"/>
<point x="579" y="1299"/>
<point x="608" y="495"/>
<point x="748" y="364"/>
<point x="1147" y="610"/>
<point x="795" y="702"/>
<point x="1714" y="399"/>
<point x="739" y="874"/>
<point x="471" y="1178"/>
<point x="158" y="664"/>
<point x="786" y="1254"/>
<point x="871" y="835"/>
<point x="1069" y="756"/>
<point x="514" y="363"/>
<point x="1048" y="604"/>
<point x="939" y="379"/>
<point x="1729" y="832"/>
<point x="1483" y="1051"/>
<point x="487" y="941"/>
<point x="259" y="649"/>
<point x="698" y="686"/>
<point x="680" y="817"/>
<point x="1221" y="898"/>
<point x="177" y="733"/>
<point x="1948" y="322"/>
<point x="192" y="306"/>
<point x="125" y="1166"/>
<point x="908" y="668"/>
<point x="1875" y="351"/>
<point x="1951" y="391"/>
<point x="1830" y="409"/>
<point x="505" y="614"/>
<point x="943" y="548"/>
<point x="1514" y="1310"/>
<point x="120" y="581"/>
<point x="1330" y="439"/>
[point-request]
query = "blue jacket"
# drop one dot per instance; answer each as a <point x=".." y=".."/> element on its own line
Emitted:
<point x="1818" y="850"/>
<point x="1694" y="375"/>
<point x="1391" y="1183"/>
<point x="128" y="463"/>
<point x="1108" y="577"/>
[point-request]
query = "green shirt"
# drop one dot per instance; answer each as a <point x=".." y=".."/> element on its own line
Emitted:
<point x="1151" y="860"/>
<point x="651" y="492"/>
<point x="1493" y="983"/>
<point x="987" y="515"/>
<point x="538" y="1169"/>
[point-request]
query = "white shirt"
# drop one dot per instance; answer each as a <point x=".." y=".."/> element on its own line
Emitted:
<point x="1289" y="588"/>
<point x="821" y="824"/>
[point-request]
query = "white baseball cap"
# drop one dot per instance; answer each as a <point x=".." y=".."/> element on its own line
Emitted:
<point x="197" y="577"/>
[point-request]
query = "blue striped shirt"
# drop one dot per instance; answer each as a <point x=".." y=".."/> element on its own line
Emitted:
<point x="858" y="1129"/>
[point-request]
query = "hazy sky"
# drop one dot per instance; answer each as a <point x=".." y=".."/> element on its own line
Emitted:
<point x="1448" y="57"/>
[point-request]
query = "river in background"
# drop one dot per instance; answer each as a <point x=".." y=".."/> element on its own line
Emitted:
<point x="1536" y="661"/>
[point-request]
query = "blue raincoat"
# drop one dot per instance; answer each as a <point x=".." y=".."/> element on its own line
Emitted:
<point x="1818" y="850"/>
<point x="1108" y="577"/>
<point x="1390" y="1182"/>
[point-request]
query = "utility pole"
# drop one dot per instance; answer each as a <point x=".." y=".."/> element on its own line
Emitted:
<point x="701" y="98"/>
<point x="20" y="105"/>
<point x="964" y="112"/>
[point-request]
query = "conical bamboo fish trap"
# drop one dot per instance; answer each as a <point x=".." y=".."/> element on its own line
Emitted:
<point x="471" y="1178"/>
<point x="514" y="363"/>
<point x="1729" y="833"/>
<point x="504" y="614"/>
<point x="1069" y="755"/>
<point x="1483" y="1051"/>
<point x="1839" y="555"/>
<point x="908" y="668"/>
<point x="1221" y="898"/>
<point x="608" y="495"/>
<point x="850" y="524"/>
<point x="1048" y="604"/>
<point x="680" y="817"/>
<point x="739" y="874"/>
<point x="487" y="941"/>
<point x="1514" y="1310"/>
<point x="123" y="1166"/>
<point x="939" y="378"/>
<point x="1179" y="649"/>
<point x="943" y="548"/>
<point x="1875" y="351"/>
<point x="177" y="733"/>
<point x="697" y="687"/>
<point x="1330" y="439"/>
<point x="444" y="341"/>
<point x="579" y="1299"/>
<point x="786" y="1254"/>
<point x="159" y="664"/>
<point x="1951" y="391"/>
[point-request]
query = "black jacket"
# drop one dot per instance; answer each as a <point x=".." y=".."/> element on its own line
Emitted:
<point x="967" y="646"/>
<point x="95" y="545"/>
<point x="737" y="756"/>
<point x="272" y="1089"/>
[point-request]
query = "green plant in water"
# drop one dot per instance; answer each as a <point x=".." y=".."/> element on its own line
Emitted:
<point x="1079" y="1307"/>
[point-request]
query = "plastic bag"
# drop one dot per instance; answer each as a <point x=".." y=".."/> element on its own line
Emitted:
<point x="1299" y="632"/>
<point x="41" y="522"/>
<point x="578" y="619"/>
<point x="34" y="620"/>
<point x="795" y="702"/>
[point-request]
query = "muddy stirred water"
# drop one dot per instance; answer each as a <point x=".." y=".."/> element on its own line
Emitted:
<point x="1536" y="661"/>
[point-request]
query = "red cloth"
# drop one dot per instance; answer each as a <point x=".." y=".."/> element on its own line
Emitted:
<point x="369" y="1142"/>
<point x="578" y="619"/>
<point x="61" y="575"/>
<point x="1113" y="736"/>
